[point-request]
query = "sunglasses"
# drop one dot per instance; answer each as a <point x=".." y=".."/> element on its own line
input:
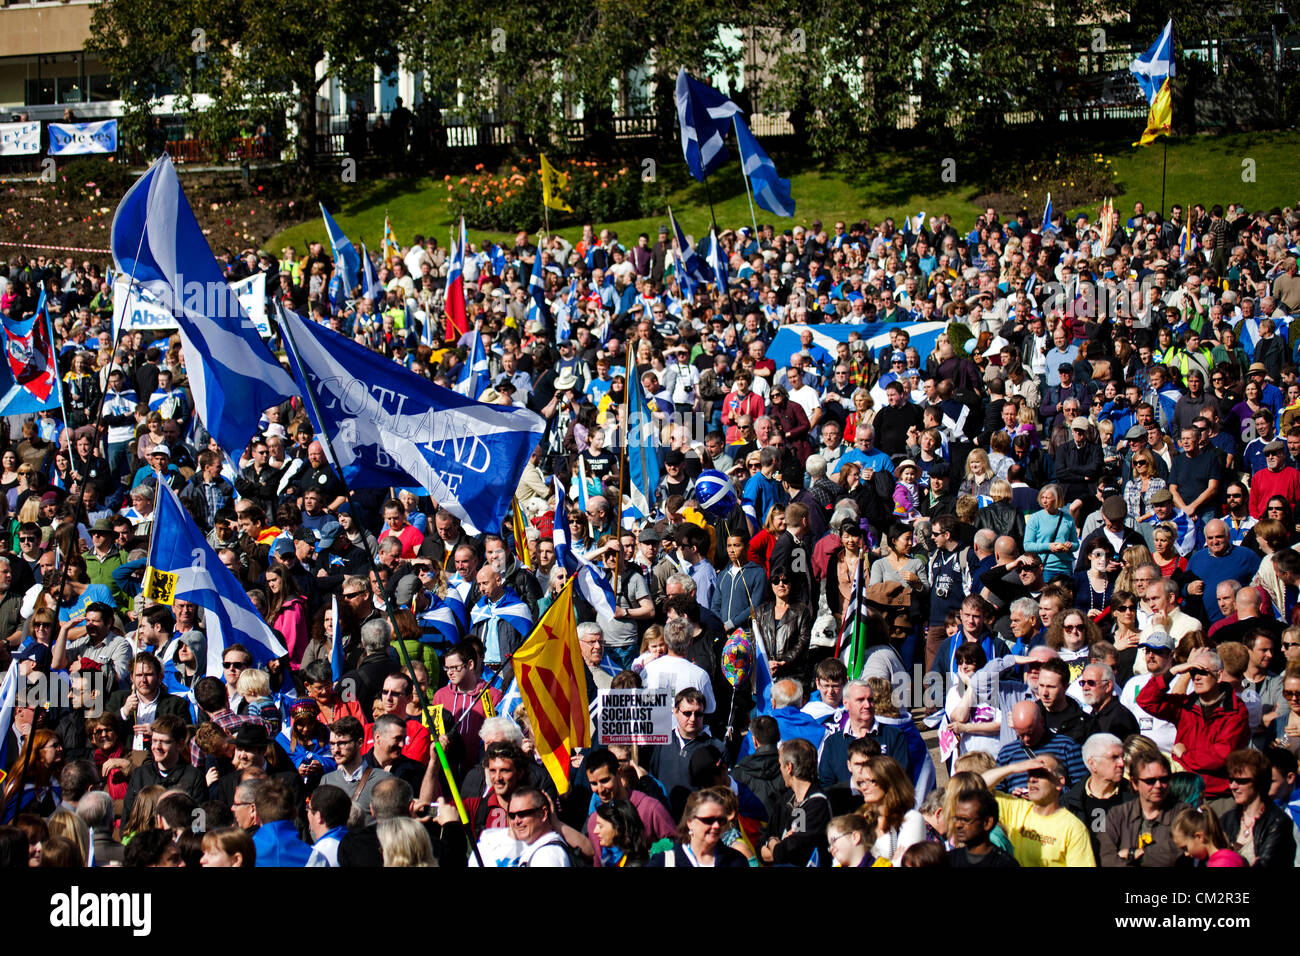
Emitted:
<point x="712" y="821"/>
<point x="1155" y="781"/>
<point x="523" y="814"/>
<point x="234" y="665"/>
<point x="1199" y="672"/>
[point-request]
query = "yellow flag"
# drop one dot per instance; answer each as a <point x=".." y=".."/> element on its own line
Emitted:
<point x="553" y="684"/>
<point x="521" y="539"/>
<point x="552" y="183"/>
<point x="1161" y="118"/>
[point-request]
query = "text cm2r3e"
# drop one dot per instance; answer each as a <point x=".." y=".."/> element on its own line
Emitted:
<point x="1201" y="897"/>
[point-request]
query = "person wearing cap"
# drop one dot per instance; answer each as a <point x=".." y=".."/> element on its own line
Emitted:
<point x="159" y="463"/>
<point x="165" y="766"/>
<point x="1114" y="529"/>
<point x="1057" y="397"/>
<point x="104" y="558"/>
<point x="1078" y="464"/>
<point x="1278" y="478"/>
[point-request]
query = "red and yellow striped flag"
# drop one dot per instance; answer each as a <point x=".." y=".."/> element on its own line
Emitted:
<point x="521" y="537"/>
<point x="553" y="684"/>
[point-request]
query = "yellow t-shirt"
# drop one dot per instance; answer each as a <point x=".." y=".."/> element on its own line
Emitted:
<point x="1060" y="839"/>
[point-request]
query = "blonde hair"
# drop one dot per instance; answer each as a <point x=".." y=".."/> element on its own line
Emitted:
<point x="980" y="455"/>
<point x="66" y="824"/>
<point x="405" y="842"/>
<point x="253" y="683"/>
<point x="654" y="632"/>
<point x="1001" y="489"/>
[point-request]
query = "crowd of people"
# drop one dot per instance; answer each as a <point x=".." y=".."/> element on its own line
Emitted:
<point x="1027" y="593"/>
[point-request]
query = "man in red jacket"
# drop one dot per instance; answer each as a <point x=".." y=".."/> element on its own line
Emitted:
<point x="1278" y="478"/>
<point x="1211" y="722"/>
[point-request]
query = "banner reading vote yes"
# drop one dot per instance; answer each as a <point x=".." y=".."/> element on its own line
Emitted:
<point x="20" y="139"/>
<point x="71" y="139"/>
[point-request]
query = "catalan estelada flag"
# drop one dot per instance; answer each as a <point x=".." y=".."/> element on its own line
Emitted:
<point x="520" y="528"/>
<point x="552" y="682"/>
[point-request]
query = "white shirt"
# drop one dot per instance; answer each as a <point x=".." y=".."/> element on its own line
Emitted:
<point x="145" y="710"/>
<point x="545" y="851"/>
<point x="676" y="674"/>
<point x="1161" y="731"/>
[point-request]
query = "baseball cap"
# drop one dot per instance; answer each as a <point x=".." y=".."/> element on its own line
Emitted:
<point x="283" y="546"/>
<point x="1079" y="422"/>
<point x="1158" y="641"/>
<point x="1065" y="367"/>
<point x="160" y="450"/>
<point x="328" y="532"/>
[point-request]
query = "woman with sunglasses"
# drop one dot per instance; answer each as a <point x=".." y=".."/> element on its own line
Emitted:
<point x="110" y="752"/>
<point x="1093" y="587"/>
<point x="1145" y="482"/>
<point x="700" y="836"/>
<point x="784" y="625"/>
<point x="1287" y="725"/>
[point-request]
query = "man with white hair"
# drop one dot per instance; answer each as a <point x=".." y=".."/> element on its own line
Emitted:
<point x="1106" y="715"/>
<point x="1091" y="798"/>
<point x="674" y="671"/>
<point x="96" y="810"/>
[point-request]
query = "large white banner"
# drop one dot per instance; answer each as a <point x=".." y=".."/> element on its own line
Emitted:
<point x="140" y="310"/>
<point x="20" y="139"/>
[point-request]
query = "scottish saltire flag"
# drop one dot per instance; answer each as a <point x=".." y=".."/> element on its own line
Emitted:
<point x="770" y="191"/>
<point x="1166" y="401"/>
<point x="1047" y="216"/>
<point x="474" y="372"/>
<point x="717" y="260"/>
<point x="71" y="139"/>
<point x="8" y="701"/>
<point x="336" y="644"/>
<point x="591" y="581"/>
<point x="183" y="567"/>
<point x="510" y="608"/>
<point x="642" y="442"/>
<point x="762" y="676"/>
<point x="1248" y="332"/>
<point x="345" y="254"/>
<point x="704" y="115"/>
<point x="444" y="618"/>
<point x="538" y="309"/>
<point x="232" y="374"/>
<point x="454" y="297"/>
<point x="29" y="346"/>
<point x="496" y="257"/>
<point x="393" y="427"/>
<point x="692" y="265"/>
<point x="374" y="290"/>
<point x="1191" y="535"/>
<point x="1156" y="65"/>
<point x="1187" y="243"/>
<point x="564" y="313"/>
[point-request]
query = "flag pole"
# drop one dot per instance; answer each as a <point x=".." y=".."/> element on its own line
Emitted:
<point x="749" y="190"/>
<point x="309" y="393"/>
<point x="1164" y="168"/>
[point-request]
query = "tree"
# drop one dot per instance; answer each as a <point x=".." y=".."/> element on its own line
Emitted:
<point x="256" y="62"/>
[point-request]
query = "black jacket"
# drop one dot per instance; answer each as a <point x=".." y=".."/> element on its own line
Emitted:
<point x="761" y="772"/>
<point x="167" y="704"/>
<point x="1274" y="844"/>
<point x="1002" y="518"/>
<point x="365" y="680"/>
<point x="1076" y="464"/>
<point x="795" y="559"/>
<point x="181" y="777"/>
<point x="262" y="487"/>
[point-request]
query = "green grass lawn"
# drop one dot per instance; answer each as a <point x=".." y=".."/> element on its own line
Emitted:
<point x="1201" y="169"/>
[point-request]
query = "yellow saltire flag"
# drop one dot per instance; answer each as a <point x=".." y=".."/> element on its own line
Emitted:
<point x="552" y="183"/>
<point x="553" y="685"/>
<point x="388" y="247"/>
<point x="1161" y="116"/>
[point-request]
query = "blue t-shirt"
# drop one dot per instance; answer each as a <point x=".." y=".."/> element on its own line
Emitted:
<point x="95" y="592"/>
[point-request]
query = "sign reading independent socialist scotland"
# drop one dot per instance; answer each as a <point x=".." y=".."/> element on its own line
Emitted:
<point x="392" y="427"/>
<point x="635" y="716"/>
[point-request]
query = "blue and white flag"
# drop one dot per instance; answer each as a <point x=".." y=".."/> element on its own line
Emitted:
<point x="444" y="621"/>
<point x="762" y="676"/>
<point x="78" y="139"/>
<point x="232" y="374"/>
<point x="510" y="609"/>
<point x="691" y="263"/>
<point x="346" y="259"/>
<point x="704" y="115"/>
<point x="1047" y="216"/>
<point x="538" y="310"/>
<point x="590" y="579"/>
<point x="183" y="567"/>
<point x="642" y="447"/>
<point x="336" y="644"/>
<point x="717" y="262"/>
<point x="8" y="701"/>
<point x="393" y="427"/>
<point x="770" y="191"/>
<point x="474" y="372"/>
<point x="828" y="335"/>
<point x="374" y="290"/>
<point x="1156" y="65"/>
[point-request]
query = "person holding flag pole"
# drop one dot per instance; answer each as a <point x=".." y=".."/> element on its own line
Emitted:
<point x="404" y="658"/>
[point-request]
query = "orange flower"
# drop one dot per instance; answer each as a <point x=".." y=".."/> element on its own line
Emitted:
<point x="488" y="202"/>
<point x="478" y="167"/>
<point x="447" y="178"/>
<point x="463" y="180"/>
